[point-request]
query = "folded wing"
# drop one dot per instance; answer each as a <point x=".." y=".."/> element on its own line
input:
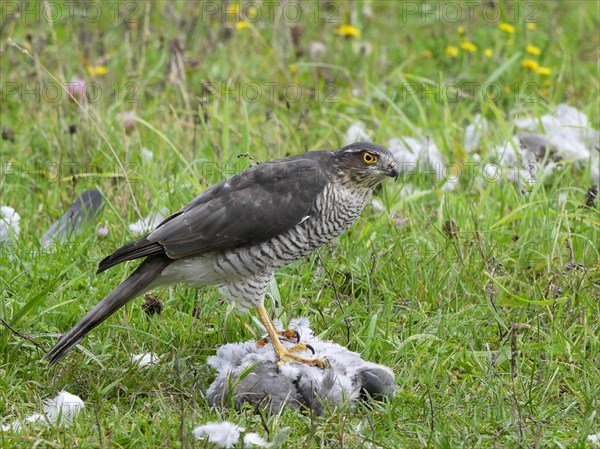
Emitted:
<point x="251" y="207"/>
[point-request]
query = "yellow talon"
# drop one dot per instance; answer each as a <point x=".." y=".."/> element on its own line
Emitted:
<point x="301" y="347"/>
<point x="285" y="355"/>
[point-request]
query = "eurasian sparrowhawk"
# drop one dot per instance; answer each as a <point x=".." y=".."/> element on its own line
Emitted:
<point x="238" y="232"/>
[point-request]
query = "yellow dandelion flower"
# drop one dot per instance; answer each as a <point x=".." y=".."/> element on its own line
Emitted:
<point x="531" y="26"/>
<point x="348" y="30"/>
<point x="507" y="89"/>
<point x="97" y="70"/>
<point x="242" y="25"/>
<point x="544" y="71"/>
<point x="507" y="27"/>
<point x="293" y="69"/>
<point x="451" y="51"/>
<point x="233" y="9"/>
<point x="427" y="54"/>
<point x="460" y="29"/>
<point x="530" y="64"/>
<point x="252" y="12"/>
<point x="488" y="53"/>
<point x="533" y="50"/>
<point x="468" y="46"/>
<point x="547" y="83"/>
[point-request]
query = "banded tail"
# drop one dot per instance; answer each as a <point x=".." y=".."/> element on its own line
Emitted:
<point x="133" y="286"/>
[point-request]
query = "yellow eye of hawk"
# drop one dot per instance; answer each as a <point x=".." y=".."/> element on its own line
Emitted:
<point x="369" y="158"/>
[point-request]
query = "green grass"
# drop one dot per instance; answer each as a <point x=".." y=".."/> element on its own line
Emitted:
<point x="494" y="340"/>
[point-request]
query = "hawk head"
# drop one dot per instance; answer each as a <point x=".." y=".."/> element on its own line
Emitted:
<point x="366" y="164"/>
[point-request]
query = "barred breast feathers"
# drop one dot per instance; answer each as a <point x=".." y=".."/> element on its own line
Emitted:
<point x="336" y="209"/>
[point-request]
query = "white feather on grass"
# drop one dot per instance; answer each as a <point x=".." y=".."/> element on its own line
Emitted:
<point x="566" y="133"/>
<point x="357" y="132"/>
<point x="255" y="440"/>
<point x="145" y="359"/>
<point x="224" y="434"/>
<point x="62" y="408"/>
<point x="9" y="224"/>
<point x="148" y="223"/>
<point x="594" y="439"/>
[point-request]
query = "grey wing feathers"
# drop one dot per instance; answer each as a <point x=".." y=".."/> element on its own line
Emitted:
<point x="251" y="207"/>
<point x="131" y="251"/>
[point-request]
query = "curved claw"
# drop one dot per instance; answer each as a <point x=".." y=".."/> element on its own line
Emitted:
<point x="286" y="356"/>
<point x="301" y="347"/>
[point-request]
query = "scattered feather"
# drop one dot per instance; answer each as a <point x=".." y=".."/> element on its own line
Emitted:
<point x="224" y="434"/>
<point x="568" y="129"/>
<point x="357" y="132"/>
<point x="84" y="211"/>
<point x="65" y="406"/>
<point x="147" y="154"/>
<point x="594" y="439"/>
<point x="145" y="359"/>
<point x="9" y="224"/>
<point x="420" y="156"/>
<point x="409" y="151"/>
<point x="474" y="132"/>
<point x="255" y="440"/>
<point x="148" y="223"/>
<point x="492" y="172"/>
<point x="378" y="205"/>
<point x="564" y="136"/>
<point x="17" y="426"/>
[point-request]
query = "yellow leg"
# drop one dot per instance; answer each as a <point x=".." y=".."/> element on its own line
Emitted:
<point x="284" y="354"/>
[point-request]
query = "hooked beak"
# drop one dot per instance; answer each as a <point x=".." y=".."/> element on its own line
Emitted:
<point x="392" y="170"/>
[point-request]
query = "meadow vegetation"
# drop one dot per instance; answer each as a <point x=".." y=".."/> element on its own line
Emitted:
<point x="483" y="298"/>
